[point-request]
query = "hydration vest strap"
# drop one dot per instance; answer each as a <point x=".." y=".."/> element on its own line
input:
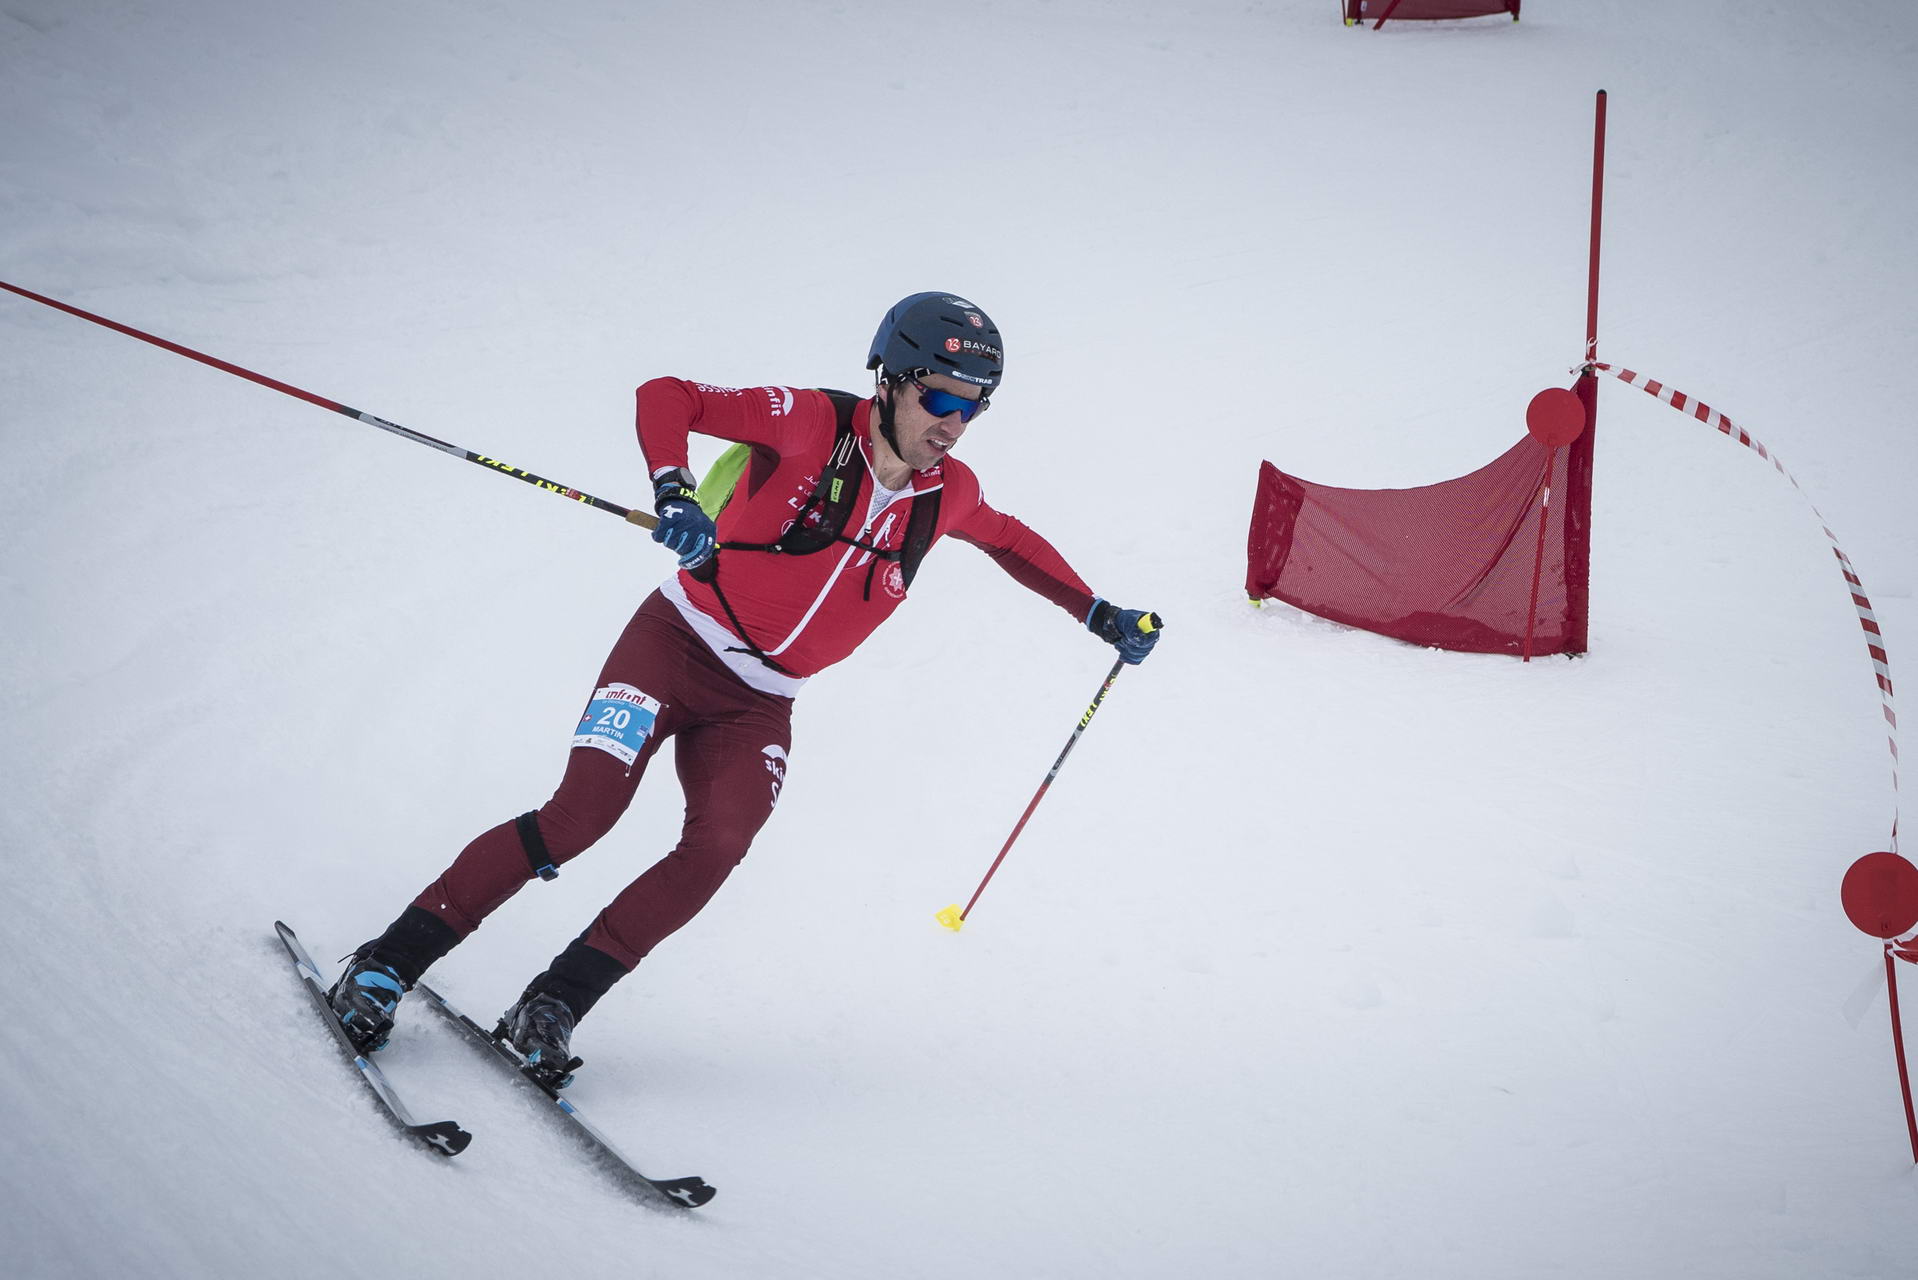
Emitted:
<point x="921" y="527"/>
<point x="832" y="500"/>
<point x="834" y="492"/>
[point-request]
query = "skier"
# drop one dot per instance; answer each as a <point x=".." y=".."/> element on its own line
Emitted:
<point x="836" y="502"/>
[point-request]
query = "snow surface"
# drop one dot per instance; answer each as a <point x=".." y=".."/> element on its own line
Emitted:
<point x="1325" y="957"/>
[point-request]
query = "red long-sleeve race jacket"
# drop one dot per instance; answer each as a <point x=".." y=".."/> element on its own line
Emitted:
<point x="806" y="612"/>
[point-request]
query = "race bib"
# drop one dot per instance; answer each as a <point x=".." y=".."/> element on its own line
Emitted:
<point x="618" y="720"/>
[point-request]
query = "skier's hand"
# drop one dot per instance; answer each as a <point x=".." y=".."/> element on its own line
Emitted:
<point x="683" y="528"/>
<point x="1132" y="632"/>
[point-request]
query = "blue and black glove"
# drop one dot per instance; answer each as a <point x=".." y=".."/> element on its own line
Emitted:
<point x="684" y="529"/>
<point x="1132" y="632"/>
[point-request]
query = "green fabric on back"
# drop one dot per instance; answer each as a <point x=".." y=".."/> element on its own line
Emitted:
<point x="722" y="479"/>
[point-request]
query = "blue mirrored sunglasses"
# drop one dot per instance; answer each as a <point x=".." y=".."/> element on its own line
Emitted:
<point x="940" y="403"/>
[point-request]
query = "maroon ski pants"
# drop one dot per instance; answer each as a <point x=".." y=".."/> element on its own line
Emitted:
<point x="730" y="749"/>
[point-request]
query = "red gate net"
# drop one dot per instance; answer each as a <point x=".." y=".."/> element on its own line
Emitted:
<point x="1455" y="565"/>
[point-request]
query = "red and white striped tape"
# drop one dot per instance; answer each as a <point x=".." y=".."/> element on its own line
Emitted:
<point x="1874" y="637"/>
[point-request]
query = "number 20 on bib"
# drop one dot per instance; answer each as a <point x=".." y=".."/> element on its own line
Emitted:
<point x="618" y="720"/>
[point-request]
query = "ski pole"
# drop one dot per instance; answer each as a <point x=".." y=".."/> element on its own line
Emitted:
<point x="953" y="917"/>
<point x="641" y="518"/>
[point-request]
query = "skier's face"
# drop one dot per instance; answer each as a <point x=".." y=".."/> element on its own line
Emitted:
<point x="923" y="438"/>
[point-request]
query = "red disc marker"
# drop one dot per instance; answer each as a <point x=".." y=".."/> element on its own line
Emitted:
<point x="1555" y="417"/>
<point x="1881" y="894"/>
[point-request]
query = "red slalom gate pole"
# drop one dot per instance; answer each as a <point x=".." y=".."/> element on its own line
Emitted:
<point x="1598" y="207"/>
<point x="641" y="518"/>
<point x="1578" y="472"/>
<point x="1898" y="1047"/>
<point x="953" y="916"/>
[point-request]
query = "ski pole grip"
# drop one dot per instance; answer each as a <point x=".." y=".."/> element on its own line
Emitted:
<point x="642" y="519"/>
<point x="1150" y="623"/>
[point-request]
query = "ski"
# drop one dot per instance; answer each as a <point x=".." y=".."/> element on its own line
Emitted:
<point x="682" y="1193"/>
<point x="441" y="1136"/>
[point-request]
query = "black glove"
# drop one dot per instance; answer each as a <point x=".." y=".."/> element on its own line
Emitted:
<point x="683" y="528"/>
<point x="1132" y="632"/>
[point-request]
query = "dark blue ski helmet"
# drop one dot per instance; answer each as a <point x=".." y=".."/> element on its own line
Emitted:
<point x="941" y="332"/>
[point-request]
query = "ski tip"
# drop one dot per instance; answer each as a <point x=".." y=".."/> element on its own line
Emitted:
<point x="442" y="1136"/>
<point x="689" y="1192"/>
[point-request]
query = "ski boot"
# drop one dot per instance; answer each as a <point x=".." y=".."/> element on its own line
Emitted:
<point x="539" y="1028"/>
<point x="364" y="1000"/>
